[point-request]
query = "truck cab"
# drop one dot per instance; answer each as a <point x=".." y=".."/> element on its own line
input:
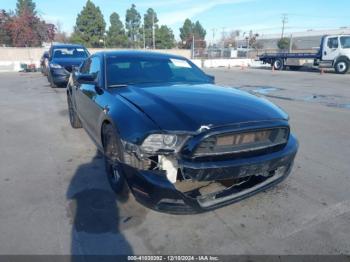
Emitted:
<point x="335" y="52"/>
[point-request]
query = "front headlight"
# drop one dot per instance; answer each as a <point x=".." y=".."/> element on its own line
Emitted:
<point x="163" y="143"/>
<point x="56" y="66"/>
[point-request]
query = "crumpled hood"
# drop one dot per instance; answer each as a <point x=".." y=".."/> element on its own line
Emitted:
<point x="188" y="107"/>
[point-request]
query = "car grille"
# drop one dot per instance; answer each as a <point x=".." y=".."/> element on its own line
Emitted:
<point x="242" y="143"/>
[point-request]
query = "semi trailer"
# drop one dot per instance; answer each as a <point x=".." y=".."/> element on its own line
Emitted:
<point x="334" y="52"/>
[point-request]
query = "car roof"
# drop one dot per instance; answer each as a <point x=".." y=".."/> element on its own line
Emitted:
<point x="67" y="45"/>
<point x="137" y="53"/>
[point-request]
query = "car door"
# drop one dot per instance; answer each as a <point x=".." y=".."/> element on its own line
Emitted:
<point x="331" y="50"/>
<point x="86" y="96"/>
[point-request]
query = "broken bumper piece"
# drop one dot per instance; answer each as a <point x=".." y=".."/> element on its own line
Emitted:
<point x="212" y="184"/>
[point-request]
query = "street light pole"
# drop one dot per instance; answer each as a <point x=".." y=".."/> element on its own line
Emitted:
<point x="153" y="33"/>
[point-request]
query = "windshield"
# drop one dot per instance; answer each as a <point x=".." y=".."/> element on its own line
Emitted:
<point x="70" y="52"/>
<point x="143" y="70"/>
<point x="345" y="41"/>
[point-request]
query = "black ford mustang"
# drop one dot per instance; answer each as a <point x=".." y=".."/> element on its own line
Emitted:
<point x="180" y="143"/>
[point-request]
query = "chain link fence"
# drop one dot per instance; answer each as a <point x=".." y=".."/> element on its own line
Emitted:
<point x="226" y="53"/>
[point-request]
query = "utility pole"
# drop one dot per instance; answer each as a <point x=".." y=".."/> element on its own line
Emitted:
<point x="144" y="37"/>
<point x="214" y="31"/>
<point x="153" y="32"/>
<point x="193" y="46"/>
<point x="284" y="22"/>
<point x="213" y="42"/>
<point x="223" y="37"/>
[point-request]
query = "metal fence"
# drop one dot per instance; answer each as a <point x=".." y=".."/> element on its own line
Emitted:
<point x="232" y="53"/>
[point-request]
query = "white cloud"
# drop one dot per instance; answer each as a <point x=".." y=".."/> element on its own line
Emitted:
<point x="173" y="17"/>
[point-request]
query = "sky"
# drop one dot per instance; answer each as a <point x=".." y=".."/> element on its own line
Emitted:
<point x="216" y="16"/>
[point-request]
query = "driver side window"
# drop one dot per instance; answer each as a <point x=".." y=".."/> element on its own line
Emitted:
<point x="333" y="42"/>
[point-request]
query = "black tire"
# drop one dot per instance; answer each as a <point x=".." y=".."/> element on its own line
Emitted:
<point x="278" y="64"/>
<point x="52" y="83"/>
<point x="73" y="117"/>
<point x="341" y="66"/>
<point x="113" y="156"/>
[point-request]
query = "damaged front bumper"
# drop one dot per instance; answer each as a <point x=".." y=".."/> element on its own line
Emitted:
<point x="212" y="184"/>
<point x="60" y="76"/>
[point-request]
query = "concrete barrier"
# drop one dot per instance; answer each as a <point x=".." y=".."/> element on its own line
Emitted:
<point x="11" y="58"/>
<point x="216" y="63"/>
<point x="198" y="62"/>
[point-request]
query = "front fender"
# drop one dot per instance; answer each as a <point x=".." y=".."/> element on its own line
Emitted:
<point x="341" y="57"/>
<point x="130" y="122"/>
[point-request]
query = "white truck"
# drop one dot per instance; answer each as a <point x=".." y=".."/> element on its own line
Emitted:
<point x="334" y="53"/>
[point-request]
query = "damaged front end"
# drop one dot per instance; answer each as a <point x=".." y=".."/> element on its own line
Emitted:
<point x="186" y="173"/>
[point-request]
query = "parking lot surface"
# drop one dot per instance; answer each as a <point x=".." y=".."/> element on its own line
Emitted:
<point x="55" y="199"/>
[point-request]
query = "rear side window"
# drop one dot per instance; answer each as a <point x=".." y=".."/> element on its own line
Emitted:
<point x="333" y="42"/>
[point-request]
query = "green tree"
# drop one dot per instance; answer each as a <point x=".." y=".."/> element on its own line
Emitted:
<point x="150" y="19"/>
<point x="132" y="24"/>
<point x="199" y="31"/>
<point x="191" y="30"/>
<point x="186" y="31"/>
<point x="28" y="5"/>
<point x="90" y="26"/>
<point x="283" y="43"/>
<point x="5" y="38"/>
<point x="116" y="36"/>
<point x="164" y="38"/>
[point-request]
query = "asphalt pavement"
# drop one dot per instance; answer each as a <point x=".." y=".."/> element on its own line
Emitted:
<point x="55" y="199"/>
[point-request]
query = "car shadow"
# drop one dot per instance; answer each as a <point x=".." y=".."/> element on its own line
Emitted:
<point x="94" y="213"/>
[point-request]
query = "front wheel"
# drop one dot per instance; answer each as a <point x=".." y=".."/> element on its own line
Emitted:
<point x="341" y="66"/>
<point x="113" y="156"/>
<point x="73" y="117"/>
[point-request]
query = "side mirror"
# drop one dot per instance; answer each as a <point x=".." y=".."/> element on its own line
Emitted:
<point x="86" y="79"/>
<point x="211" y="78"/>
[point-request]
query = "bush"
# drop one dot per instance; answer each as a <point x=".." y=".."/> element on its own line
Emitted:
<point x="284" y="43"/>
